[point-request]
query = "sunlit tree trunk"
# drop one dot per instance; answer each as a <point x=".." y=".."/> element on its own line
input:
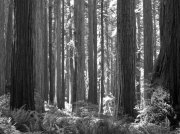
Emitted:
<point x="138" y="52"/>
<point x="22" y="79"/>
<point x="102" y="61"/>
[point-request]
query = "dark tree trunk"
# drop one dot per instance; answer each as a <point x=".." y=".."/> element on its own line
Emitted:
<point x="126" y="45"/>
<point x="2" y="47"/>
<point x="9" y="42"/>
<point x="45" y="53"/>
<point x="51" y="56"/>
<point x="79" y="46"/>
<point x="167" y="68"/>
<point x="92" y="52"/>
<point x="148" y="48"/>
<point x="22" y="79"/>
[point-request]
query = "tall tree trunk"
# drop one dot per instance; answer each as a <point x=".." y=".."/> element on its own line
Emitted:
<point x="154" y="29"/>
<point x="2" y="47"/>
<point x="167" y="68"/>
<point x="22" y="79"/>
<point x="39" y="57"/>
<point x="51" y="55"/>
<point x="102" y="61"/>
<point x="9" y="42"/>
<point x="92" y="52"/>
<point x="138" y="53"/>
<point x="59" y="75"/>
<point x="126" y="56"/>
<point x="45" y="48"/>
<point x="148" y="48"/>
<point x="79" y="46"/>
<point x="62" y="92"/>
<point x="108" y="49"/>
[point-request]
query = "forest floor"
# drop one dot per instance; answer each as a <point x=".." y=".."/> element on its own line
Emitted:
<point x="85" y="120"/>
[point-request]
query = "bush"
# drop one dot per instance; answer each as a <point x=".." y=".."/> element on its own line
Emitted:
<point x="158" y="110"/>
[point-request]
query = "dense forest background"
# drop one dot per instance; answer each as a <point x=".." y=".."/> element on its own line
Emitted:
<point x="89" y="66"/>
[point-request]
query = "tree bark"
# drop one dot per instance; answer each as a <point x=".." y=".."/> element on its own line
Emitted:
<point x="51" y="56"/>
<point x="102" y="60"/>
<point x="59" y="74"/>
<point x="148" y="48"/>
<point x="2" y="47"/>
<point x="92" y="52"/>
<point x="167" y="68"/>
<point x="45" y="48"/>
<point x="22" y="79"/>
<point x="79" y="47"/>
<point x="126" y="45"/>
<point x="9" y="42"/>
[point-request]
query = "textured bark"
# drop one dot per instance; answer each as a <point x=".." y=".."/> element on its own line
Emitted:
<point x="2" y="47"/>
<point x="148" y="48"/>
<point x="92" y="52"/>
<point x="95" y="50"/>
<point x="51" y="56"/>
<point x="138" y="54"/>
<point x="107" y="91"/>
<point x="9" y="42"/>
<point x="126" y="45"/>
<point x="154" y="29"/>
<point x="22" y="79"/>
<point x="79" y="47"/>
<point x="167" y="68"/>
<point x="62" y="92"/>
<point x="59" y="80"/>
<point x="102" y="60"/>
<point x="45" y="53"/>
<point x="71" y="55"/>
<point x="39" y="57"/>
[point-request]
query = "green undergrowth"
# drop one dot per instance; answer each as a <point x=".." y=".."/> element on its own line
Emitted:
<point x="84" y="120"/>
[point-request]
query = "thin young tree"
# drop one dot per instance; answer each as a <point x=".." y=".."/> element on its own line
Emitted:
<point x="126" y="45"/>
<point x="22" y="79"/>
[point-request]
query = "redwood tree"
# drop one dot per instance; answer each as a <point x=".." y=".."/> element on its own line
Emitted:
<point x="22" y="79"/>
<point x="126" y="45"/>
<point x="148" y="47"/>
<point x="167" y="68"/>
<point x="2" y="47"/>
